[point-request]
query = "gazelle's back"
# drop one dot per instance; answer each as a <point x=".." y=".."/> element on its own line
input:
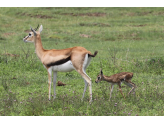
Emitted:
<point x="121" y="76"/>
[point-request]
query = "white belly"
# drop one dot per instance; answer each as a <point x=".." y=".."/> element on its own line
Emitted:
<point x="66" y="67"/>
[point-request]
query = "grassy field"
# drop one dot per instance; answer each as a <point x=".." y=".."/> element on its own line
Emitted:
<point x="127" y="39"/>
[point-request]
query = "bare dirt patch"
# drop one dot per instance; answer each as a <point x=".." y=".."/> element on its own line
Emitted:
<point x="133" y="37"/>
<point x="140" y="25"/>
<point x="128" y="14"/>
<point x="95" y="24"/>
<point x="145" y="13"/>
<point x="137" y="13"/>
<point x="87" y="14"/>
<point x="8" y="34"/>
<point x="131" y="14"/>
<point x="137" y="39"/>
<point x="34" y="16"/>
<point x="27" y="31"/>
<point x="27" y="83"/>
<point x="84" y="35"/>
<point x="9" y="54"/>
<point x="160" y="13"/>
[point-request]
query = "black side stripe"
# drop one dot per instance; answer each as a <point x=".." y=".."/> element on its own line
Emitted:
<point x="62" y="61"/>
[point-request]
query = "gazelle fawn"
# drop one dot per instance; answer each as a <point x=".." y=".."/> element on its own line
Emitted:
<point x="118" y="78"/>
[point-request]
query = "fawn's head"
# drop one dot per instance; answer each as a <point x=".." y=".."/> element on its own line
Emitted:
<point x="32" y="34"/>
<point x="99" y="77"/>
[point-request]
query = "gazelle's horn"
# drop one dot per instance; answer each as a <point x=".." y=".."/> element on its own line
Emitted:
<point x="36" y="27"/>
<point x="33" y="30"/>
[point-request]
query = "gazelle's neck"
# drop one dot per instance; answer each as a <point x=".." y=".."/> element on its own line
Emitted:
<point x="107" y="78"/>
<point x="38" y="47"/>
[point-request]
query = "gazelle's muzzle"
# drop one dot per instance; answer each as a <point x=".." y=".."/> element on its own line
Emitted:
<point x="24" y="39"/>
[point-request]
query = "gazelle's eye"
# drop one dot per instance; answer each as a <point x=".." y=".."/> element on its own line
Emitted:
<point x="99" y="78"/>
<point x="29" y="34"/>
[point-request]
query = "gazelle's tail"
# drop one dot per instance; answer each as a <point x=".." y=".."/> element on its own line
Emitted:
<point x="93" y="55"/>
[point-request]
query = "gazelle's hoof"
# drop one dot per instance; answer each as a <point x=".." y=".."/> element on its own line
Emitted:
<point x="90" y="101"/>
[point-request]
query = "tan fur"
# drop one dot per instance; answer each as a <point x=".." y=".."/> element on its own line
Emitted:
<point x="50" y="57"/>
<point x="117" y="79"/>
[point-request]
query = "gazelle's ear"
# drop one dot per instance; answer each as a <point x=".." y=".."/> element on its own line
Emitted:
<point x="40" y="28"/>
<point x="33" y="31"/>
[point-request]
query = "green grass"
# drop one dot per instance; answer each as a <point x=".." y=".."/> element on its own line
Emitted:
<point x="127" y="39"/>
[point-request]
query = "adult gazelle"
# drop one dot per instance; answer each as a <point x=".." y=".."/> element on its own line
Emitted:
<point x="63" y="60"/>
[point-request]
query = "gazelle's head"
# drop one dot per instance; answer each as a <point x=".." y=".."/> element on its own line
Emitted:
<point x="99" y="77"/>
<point x="31" y="36"/>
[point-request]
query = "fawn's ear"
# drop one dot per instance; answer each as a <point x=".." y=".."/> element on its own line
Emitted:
<point x="101" y="72"/>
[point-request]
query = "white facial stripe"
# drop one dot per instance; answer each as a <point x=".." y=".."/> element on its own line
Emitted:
<point x="24" y="39"/>
<point x="27" y="36"/>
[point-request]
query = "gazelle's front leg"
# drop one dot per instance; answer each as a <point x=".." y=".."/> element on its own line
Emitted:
<point x="119" y="84"/>
<point x="49" y="81"/>
<point x="54" y="82"/>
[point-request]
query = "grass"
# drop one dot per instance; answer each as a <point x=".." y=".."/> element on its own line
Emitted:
<point x="127" y="39"/>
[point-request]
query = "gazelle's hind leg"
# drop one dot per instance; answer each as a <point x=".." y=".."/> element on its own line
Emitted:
<point x="130" y="84"/>
<point x="84" y="70"/>
<point x="86" y="64"/>
<point x="80" y="65"/>
<point x="87" y="82"/>
<point x="85" y="87"/>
